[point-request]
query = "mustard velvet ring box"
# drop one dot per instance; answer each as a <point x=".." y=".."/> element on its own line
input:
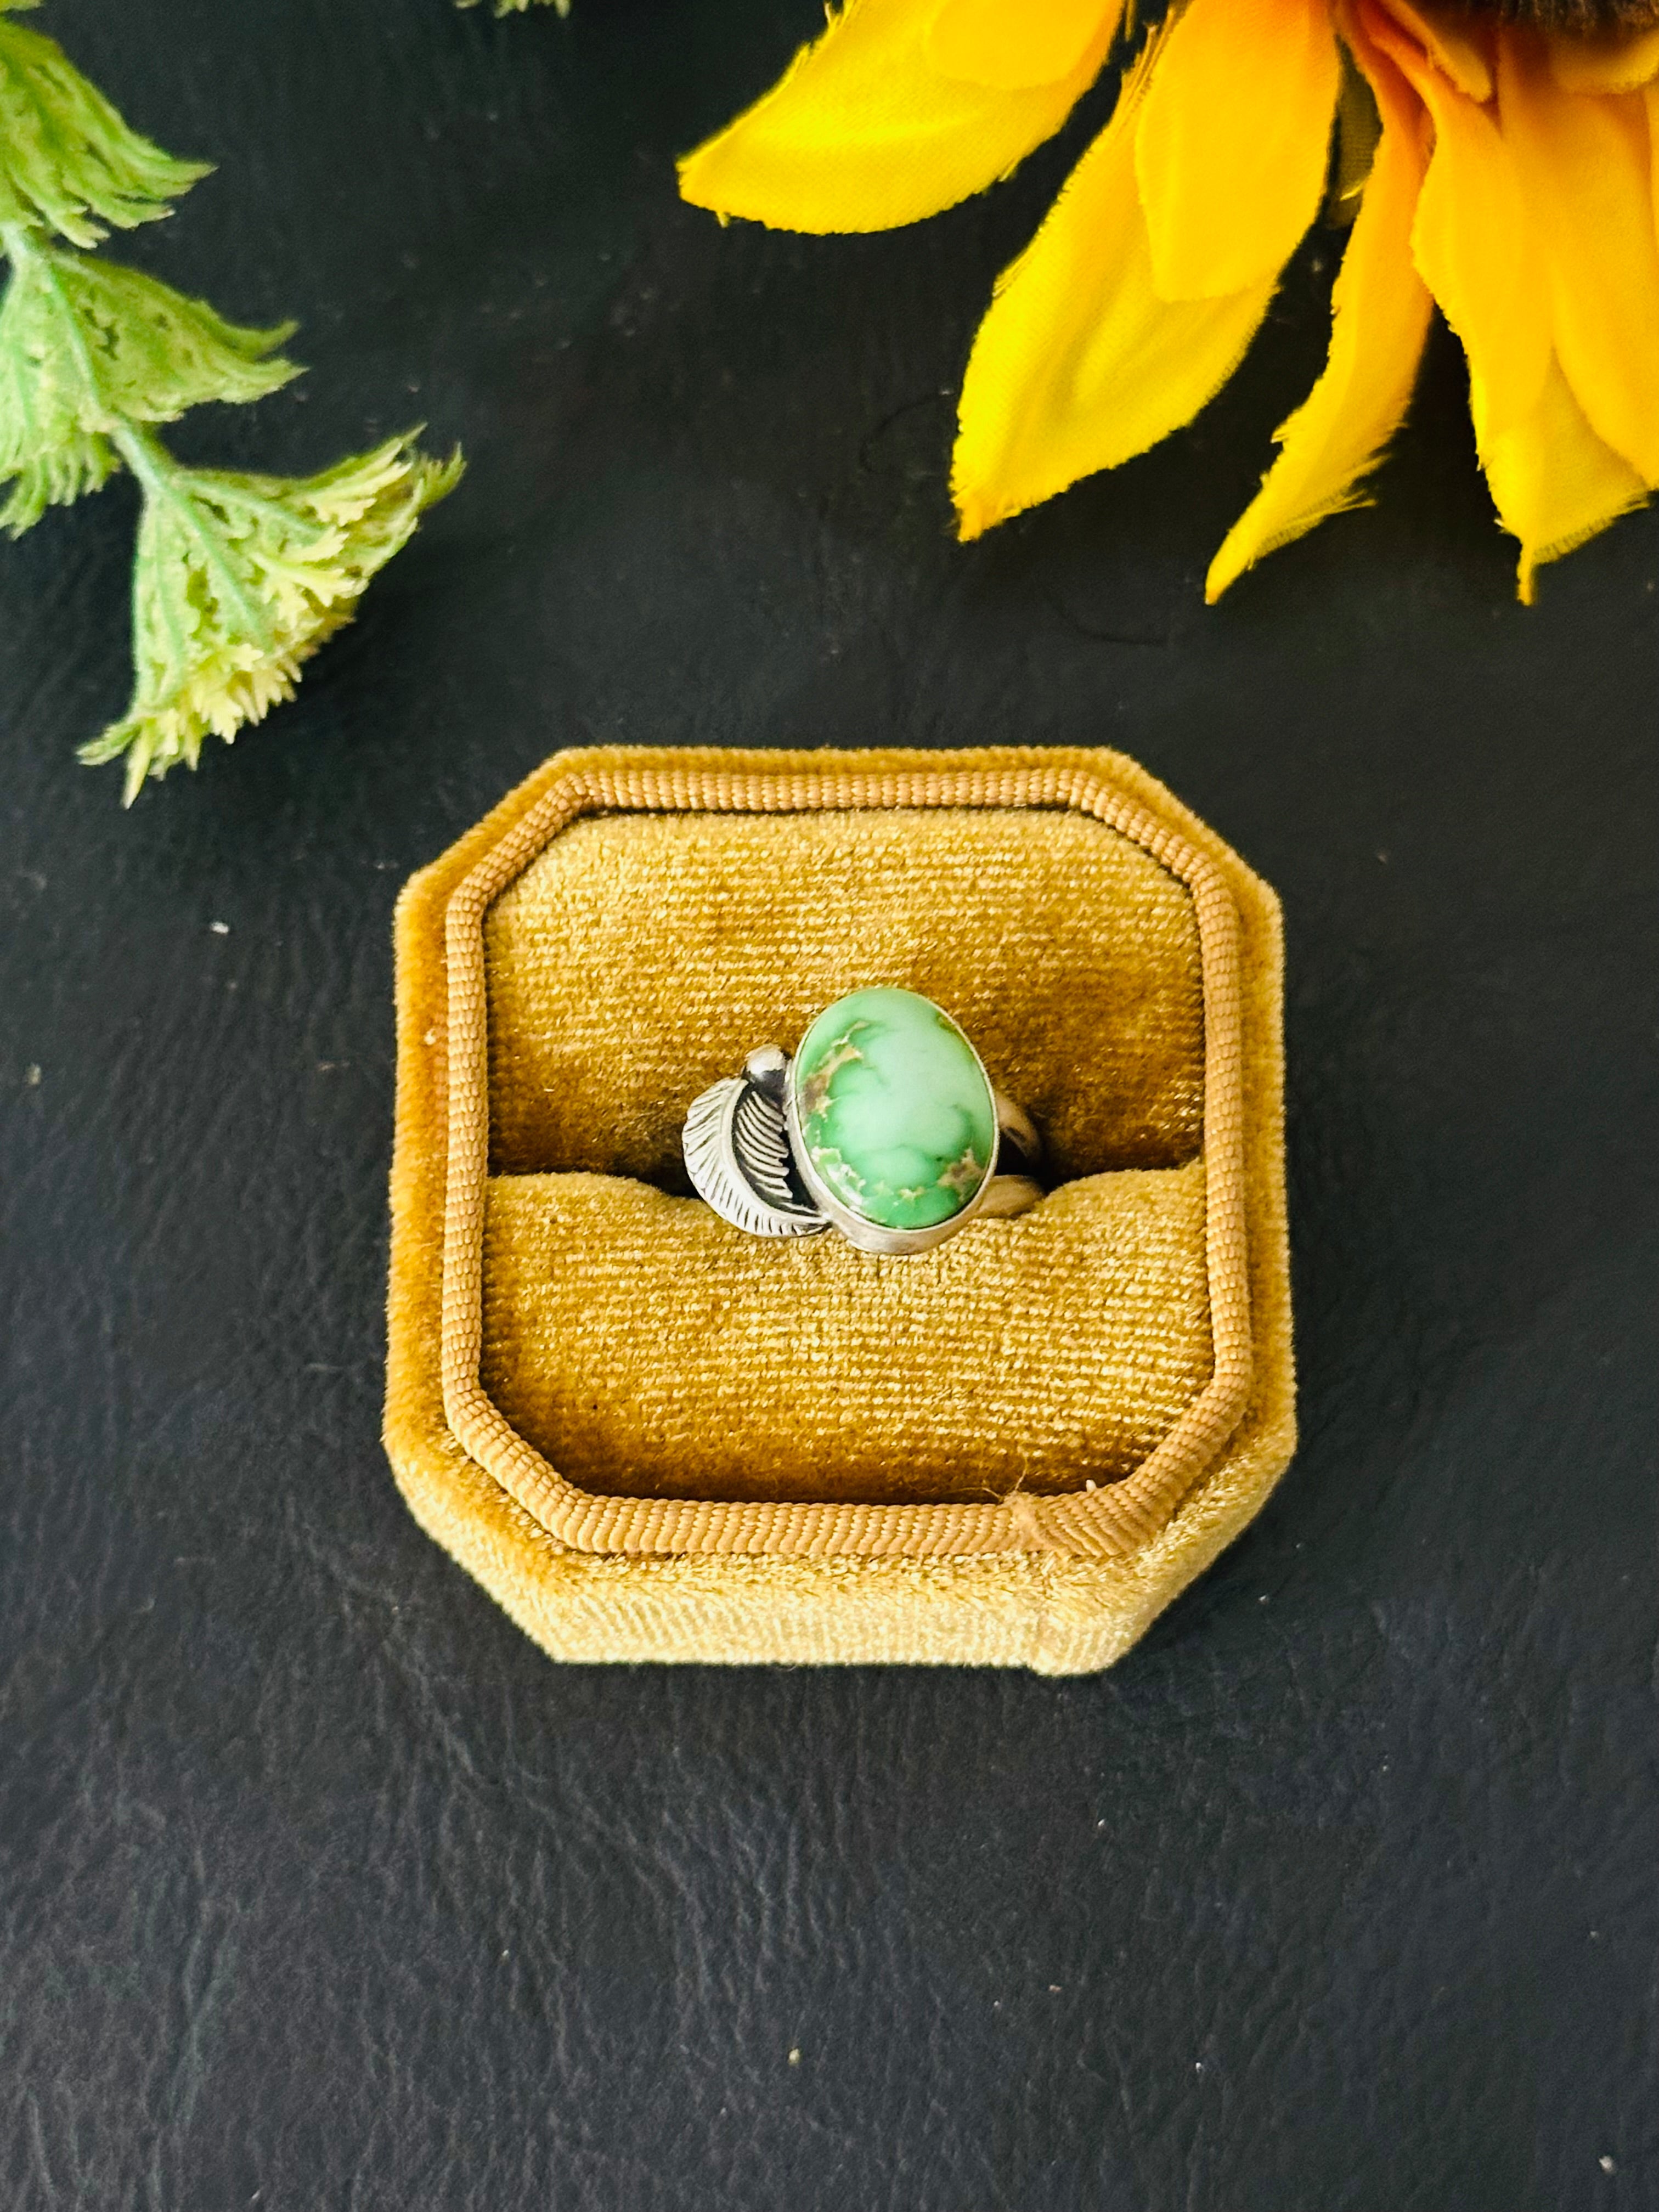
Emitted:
<point x="650" y="1435"/>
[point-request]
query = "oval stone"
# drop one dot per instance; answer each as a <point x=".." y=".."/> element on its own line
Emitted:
<point x="894" y="1109"/>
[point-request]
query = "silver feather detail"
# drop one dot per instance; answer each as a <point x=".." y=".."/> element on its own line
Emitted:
<point x="737" y="1154"/>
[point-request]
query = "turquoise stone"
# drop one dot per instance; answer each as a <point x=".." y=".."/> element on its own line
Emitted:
<point x="894" y="1109"/>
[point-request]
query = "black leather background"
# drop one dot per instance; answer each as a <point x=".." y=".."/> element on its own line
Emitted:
<point x="318" y="1887"/>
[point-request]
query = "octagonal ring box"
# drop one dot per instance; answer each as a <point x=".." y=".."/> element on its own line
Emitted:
<point x="651" y="1437"/>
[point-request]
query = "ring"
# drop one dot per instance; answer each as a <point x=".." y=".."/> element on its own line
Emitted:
<point x="884" y="1126"/>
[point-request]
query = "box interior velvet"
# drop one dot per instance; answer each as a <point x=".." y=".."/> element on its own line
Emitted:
<point x="651" y="1437"/>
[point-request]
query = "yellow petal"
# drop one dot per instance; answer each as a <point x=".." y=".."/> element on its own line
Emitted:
<point x="1605" y="61"/>
<point x="1012" y="44"/>
<point x="1457" y="48"/>
<point x="1234" y="141"/>
<point x="1583" y="167"/>
<point x="1472" y="241"/>
<point x="1380" y="315"/>
<point x="865" y="131"/>
<point x="1554" y="482"/>
<point x="1079" y="364"/>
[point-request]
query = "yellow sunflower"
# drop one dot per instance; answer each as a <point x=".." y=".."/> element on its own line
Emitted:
<point x="1503" y="170"/>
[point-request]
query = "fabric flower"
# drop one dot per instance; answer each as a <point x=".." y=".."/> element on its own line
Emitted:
<point x="1501" y="170"/>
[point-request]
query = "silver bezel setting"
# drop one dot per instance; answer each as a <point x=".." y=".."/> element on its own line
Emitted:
<point x="871" y="1235"/>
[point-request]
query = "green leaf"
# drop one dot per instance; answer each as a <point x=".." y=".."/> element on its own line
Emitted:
<point x="67" y="159"/>
<point x="86" y="346"/>
<point x="82" y="463"/>
<point x="239" y="578"/>
<point x="503" y="7"/>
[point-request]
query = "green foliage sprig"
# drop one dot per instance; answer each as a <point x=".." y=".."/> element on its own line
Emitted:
<point x="519" y="6"/>
<point x="236" y="578"/>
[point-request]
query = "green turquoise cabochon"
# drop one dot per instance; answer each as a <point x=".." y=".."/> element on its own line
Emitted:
<point x="897" y="1116"/>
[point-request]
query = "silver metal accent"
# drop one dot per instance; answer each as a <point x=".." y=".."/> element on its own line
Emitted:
<point x="1017" y="1127"/>
<point x="768" y="1069"/>
<point x="737" y="1154"/>
<point x="1005" y="1195"/>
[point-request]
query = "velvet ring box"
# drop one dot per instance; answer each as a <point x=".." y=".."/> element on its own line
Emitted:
<point x="651" y="1437"/>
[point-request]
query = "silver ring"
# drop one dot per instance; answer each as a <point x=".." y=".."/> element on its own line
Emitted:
<point x="884" y="1125"/>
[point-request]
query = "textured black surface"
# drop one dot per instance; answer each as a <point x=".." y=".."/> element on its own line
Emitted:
<point x="318" y="1887"/>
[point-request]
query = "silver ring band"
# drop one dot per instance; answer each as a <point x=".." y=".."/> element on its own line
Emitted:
<point x="884" y="1126"/>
